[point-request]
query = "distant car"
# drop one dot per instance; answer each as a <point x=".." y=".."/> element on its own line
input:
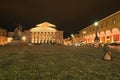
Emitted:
<point x="114" y="44"/>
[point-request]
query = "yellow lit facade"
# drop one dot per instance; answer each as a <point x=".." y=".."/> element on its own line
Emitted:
<point x="108" y="30"/>
<point x="3" y="38"/>
<point x="73" y="39"/>
<point x="46" y="33"/>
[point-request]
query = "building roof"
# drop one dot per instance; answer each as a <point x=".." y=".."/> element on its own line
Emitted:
<point x="46" y="24"/>
<point x="44" y="27"/>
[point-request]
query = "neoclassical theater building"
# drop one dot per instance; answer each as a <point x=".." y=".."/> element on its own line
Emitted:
<point x="45" y="33"/>
<point x="3" y="38"/>
<point x="108" y="29"/>
<point x="40" y="34"/>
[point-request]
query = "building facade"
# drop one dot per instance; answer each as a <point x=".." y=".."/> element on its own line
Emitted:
<point x="3" y="38"/>
<point x="108" y="30"/>
<point x="44" y="33"/>
<point x="41" y="33"/>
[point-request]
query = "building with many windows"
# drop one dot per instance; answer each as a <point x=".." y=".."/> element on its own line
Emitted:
<point x="3" y="38"/>
<point x="108" y="30"/>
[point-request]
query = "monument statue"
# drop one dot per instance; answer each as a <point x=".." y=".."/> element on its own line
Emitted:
<point x="17" y="33"/>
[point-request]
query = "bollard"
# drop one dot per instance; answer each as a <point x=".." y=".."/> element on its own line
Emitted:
<point x="107" y="56"/>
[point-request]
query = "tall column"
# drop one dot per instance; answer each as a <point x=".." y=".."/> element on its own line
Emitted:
<point x="33" y="37"/>
<point x="55" y="37"/>
<point x="36" y="37"/>
<point x="40" y="37"/>
<point x="48" y="37"/>
<point x="45" y="37"/>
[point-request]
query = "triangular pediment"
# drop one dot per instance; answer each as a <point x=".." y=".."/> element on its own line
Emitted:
<point x="45" y="24"/>
<point x="44" y="27"/>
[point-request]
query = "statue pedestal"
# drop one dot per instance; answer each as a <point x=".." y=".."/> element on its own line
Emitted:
<point x="107" y="56"/>
<point x="18" y="42"/>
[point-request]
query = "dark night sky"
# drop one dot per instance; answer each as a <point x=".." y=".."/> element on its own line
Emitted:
<point x="67" y="15"/>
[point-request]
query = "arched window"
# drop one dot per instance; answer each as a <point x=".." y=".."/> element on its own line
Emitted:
<point x="116" y="34"/>
<point x="109" y="35"/>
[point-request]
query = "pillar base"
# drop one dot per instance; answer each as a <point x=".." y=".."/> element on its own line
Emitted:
<point x="107" y="56"/>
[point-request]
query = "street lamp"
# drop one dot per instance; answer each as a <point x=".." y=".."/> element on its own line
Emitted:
<point x="72" y="38"/>
<point x="24" y="38"/>
<point x="84" y="32"/>
<point x="96" y="40"/>
<point x="96" y="23"/>
<point x="72" y="35"/>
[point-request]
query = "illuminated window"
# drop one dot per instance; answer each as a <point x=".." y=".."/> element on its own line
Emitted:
<point x="114" y="21"/>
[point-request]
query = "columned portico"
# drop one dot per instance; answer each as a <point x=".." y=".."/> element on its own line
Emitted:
<point x="46" y="33"/>
<point x="43" y="37"/>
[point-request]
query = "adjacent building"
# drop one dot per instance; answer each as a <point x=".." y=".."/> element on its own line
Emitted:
<point x="108" y="30"/>
<point x="3" y="38"/>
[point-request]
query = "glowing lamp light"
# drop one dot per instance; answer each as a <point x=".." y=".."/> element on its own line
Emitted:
<point x="72" y="35"/>
<point x="23" y="38"/>
<point x="84" y="32"/>
<point x="96" y="23"/>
